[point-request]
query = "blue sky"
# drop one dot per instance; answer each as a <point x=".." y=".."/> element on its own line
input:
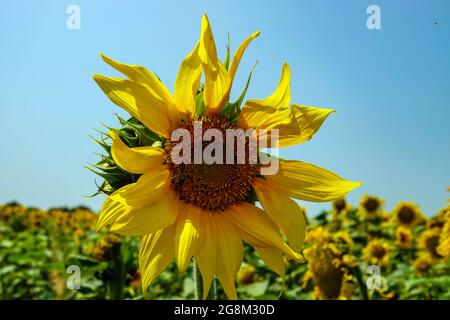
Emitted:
<point x="390" y="87"/>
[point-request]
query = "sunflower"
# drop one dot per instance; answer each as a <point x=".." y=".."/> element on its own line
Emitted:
<point x="326" y="267"/>
<point x="407" y="214"/>
<point x="377" y="252"/>
<point x="403" y="237"/>
<point x="371" y="207"/>
<point x="340" y="207"/>
<point x="204" y="210"/>
<point x="444" y="243"/>
<point x="429" y="241"/>
<point x="423" y="262"/>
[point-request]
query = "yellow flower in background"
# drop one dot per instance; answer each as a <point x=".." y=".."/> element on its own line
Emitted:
<point x="423" y="262"/>
<point x="246" y="274"/>
<point x="444" y="243"/>
<point x="340" y="207"/>
<point x="403" y="237"/>
<point x="326" y="266"/>
<point x="199" y="210"/>
<point x="371" y="207"/>
<point x="377" y="252"/>
<point x="429" y="241"/>
<point x="407" y="214"/>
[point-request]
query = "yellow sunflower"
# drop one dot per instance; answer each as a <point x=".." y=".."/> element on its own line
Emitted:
<point x="444" y="243"/>
<point x="340" y="207"/>
<point x="371" y="207"/>
<point x="407" y="214"/>
<point x="326" y="267"/>
<point x="429" y="241"/>
<point x="403" y="237"/>
<point x="377" y="252"/>
<point x="423" y="262"/>
<point x="201" y="210"/>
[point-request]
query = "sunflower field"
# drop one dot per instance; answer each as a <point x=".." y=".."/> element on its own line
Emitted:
<point x="360" y="252"/>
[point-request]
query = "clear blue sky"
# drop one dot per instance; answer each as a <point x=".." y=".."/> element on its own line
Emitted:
<point x="390" y="87"/>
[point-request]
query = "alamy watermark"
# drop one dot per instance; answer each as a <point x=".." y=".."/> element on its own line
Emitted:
<point x="373" y="21"/>
<point x="73" y="21"/>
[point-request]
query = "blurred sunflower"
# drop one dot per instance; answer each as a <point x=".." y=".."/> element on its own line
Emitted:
<point x="203" y="210"/>
<point x="340" y="207"/>
<point x="444" y="243"/>
<point x="423" y="262"/>
<point x="371" y="207"/>
<point x="407" y="214"/>
<point x="326" y="267"/>
<point x="377" y="252"/>
<point x="246" y="274"/>
<point x="403" y="237"/>
<point x="429" y="241"/>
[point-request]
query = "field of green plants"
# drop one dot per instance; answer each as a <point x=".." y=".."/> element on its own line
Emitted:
<point x="359" y="252"/>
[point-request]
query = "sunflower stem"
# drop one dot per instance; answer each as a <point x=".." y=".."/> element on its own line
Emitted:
<point x="361" y="284"/>
<point x="117" y="282"/>
<point x="198" y="280"/>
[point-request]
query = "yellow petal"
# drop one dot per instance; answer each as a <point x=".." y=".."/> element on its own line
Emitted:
<point x="273" y="258"/>
<point x="187" y="83"/>
<point x="146" y="220"/>
<point x="283" y="211"/>
<point x="140" y="102"/>
<point x="217" y="79"/>
<point x="135" y="160"/>
<point x="188" y="235"/>
<point x="150" y="187"/>
<point x="143" y="76"/>
<point x="113" y="207"/>
<point x="155" y="254"/>
<point x="206" y="254"/>
<point x="309" y="121"/>
<point x="268" y="118"/>
<point x="239" y="53"/>
<point x="281" y="97"/>
<point x="257" y="229"/>
<point x="230" y="253"/>
<point x="305" y="181"/>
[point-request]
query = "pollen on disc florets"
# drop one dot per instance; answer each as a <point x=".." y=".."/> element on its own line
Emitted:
<point x="213" y="187"/>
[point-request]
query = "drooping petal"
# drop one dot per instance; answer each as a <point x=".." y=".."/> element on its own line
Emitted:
<point x="113" y="207"/>
<point x="187" y="82"/>
<point x="305" y="181"/>
<point x="239" y="53"/>
<point x="206" y="255"/>
<point x="217" y="79"/>
<point x="149" y="187"/>
<point x="281" y="97"/>
<point x="230" y="253"/>
<point x="141" y="221"/>
<point x="135" y="160"/>
<point x="140" y="102"/>
<point x="188" y="235"/>
<point x="273" y="258"/>
<point x="283" y="211"/>
<point x="155" y="254"/>
<point x="257" y="229"/>
<point x="309" y="121"/>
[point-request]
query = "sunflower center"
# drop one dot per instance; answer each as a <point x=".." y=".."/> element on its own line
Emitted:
<point x="432" y="243"/>
<point x="211" y="184"/>
<point x="339" y="205"/>
<point x="406" y="215"/>
<point x="378" y="252"/>
<point x="371" y="205"/>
